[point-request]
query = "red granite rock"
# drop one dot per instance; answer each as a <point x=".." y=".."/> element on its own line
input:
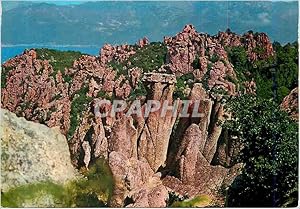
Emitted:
<point x="143" y="42"/>
<point x="290" y="104"/>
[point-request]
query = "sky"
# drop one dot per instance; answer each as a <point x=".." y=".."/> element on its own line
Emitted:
<point x="70" y="2"/>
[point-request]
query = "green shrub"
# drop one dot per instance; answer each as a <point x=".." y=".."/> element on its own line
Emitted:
<point x="58" y="59"/>
<point x="264" y="87"/>
<point x="205" y="79"/>
<point x="286" y="69"/>
<point x="103" y="95"/>
<point x="270" y="153"/>
<point x="209" y="66"/>
<point x="259" y="50"/>
<point x="150" y="57"/>
<point x="120" y="68"/>
<point x="94" y="190"/>
<point x="183" y="82"/>
<point x="239" y="58"/>
<point x="196" y="62"/>
<point x="31" y="194"/>
<point x="4" y="74"/>
<point x="282" y="92"/>
<point x="214" y="58"/>
<point x="78" y="105"/>
<point x="67" y="78"/>
<point x="140" y="90"/>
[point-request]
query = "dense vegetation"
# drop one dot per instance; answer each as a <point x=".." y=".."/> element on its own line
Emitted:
<point x="94" y="190"/>
<point x="270" y="154"/>
<point x="78" y="105"/>
<point x="284" y="63"/>
<point x="58" y="59"/>
<point x="287" y="69"/>
<point x="149" y="58"/>
<point x="4" y="74"/>
<point x="31" y="193"/>
<point x="139" y="91"/>
<point x="183" y="82"/>
<point x="269" y="138"/>
<point x="239" y="58"/>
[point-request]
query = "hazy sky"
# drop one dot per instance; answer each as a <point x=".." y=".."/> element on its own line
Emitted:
<point x="70" y="2"/>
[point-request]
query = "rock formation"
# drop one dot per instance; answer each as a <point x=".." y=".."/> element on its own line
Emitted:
<point x="148" y="156"/>
<point x="32" y="92"/>
<point x="142" y="42"/>
<point x="258" y="45"/>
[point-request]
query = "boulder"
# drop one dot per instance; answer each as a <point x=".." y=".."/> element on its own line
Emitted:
<point x="32" y="152"/>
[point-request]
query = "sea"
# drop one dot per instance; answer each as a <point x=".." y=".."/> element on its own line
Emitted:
<point x="8" y="52"/>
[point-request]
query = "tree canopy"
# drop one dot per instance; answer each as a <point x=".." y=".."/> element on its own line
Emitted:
<point x="269" y="154"/>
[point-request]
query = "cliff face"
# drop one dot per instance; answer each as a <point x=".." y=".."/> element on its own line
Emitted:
<point x="148" y="156"/>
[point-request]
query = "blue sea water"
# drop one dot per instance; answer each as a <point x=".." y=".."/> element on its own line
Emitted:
<point x="8" y="52"/>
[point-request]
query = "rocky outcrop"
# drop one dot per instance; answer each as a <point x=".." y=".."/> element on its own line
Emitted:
<point x="219" y="75"/>
<point x="250" y="87"/>
<point x="183" y="49"/>
<point x="228" y="149"/>
<point x="188" y="153"/>
<point x="134" y="152"/>
<point x="118" y="53"/>
<point x="197" y="53"/>
<point x="34" y="93"/>
<point x="143" y="42"/>
<point x="89" y="141"/>
<point x="290" y="104"/>
<point x="191" y="161"/>
<point x="32" y="153"/>
<point x="154" y="138"/>
<point x="135" y="179"/>
<point x="257" y="45"/>
<point x="204" y="56"/>
<point x="208" y="179"/>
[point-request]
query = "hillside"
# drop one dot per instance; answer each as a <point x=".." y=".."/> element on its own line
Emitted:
<point x="152" y="158"/>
